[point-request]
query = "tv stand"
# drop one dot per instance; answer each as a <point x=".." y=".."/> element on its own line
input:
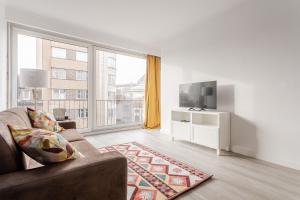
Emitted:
<point x="210" y="128"/>
<point x="197" y="109"/>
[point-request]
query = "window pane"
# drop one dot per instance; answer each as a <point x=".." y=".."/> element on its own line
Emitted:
<point x="82" y="113"/>
<point x="59" y="73"/>
<point x="81" y="94"/>
<point x="81" y="56"/>
<point x="81" y="75"/>
<point x="119" y="89"/>
<point x="27" y="55"/>
<point x="58" y="94"/>
<point x="111" y="61"/>
<point x="26" y="94"/>
<point x="59" y="53"/>
<point x="64" y="91"/>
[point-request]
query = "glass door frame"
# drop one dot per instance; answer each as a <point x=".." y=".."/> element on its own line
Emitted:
<point x="15" y="29"/>
<point x="121" y="126"/>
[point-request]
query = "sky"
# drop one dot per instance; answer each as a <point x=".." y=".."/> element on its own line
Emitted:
<point x="26" y="52"/>
<point x="129" y="69"/>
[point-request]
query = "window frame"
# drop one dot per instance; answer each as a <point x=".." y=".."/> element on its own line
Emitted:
<point x="80" y="96"/>
<point x="112" y="127"/>
<point x="82" y="113"/>
<point x="59" y="93"/>
<point x="79" y="75"/>
<point x="53" y="69"/>
<point x="92" y="47"/>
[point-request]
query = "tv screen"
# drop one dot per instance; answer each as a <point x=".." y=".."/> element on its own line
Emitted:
<point x="198" y="95"/>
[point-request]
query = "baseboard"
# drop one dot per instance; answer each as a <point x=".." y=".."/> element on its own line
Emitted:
<point x="290" y="164"/>
<point x="101" y="131"/>
<point x="247" y="152"/>
<point x="243" y="150"/>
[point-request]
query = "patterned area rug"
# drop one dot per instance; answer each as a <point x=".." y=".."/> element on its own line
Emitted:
<point x="154" y="176"/>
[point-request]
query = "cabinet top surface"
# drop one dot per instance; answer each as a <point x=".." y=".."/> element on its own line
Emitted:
<point x="197" y="112"/>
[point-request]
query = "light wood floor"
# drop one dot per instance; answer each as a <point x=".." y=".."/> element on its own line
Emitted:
<point x="235" y="176"/>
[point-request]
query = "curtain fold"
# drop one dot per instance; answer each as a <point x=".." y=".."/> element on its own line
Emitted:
<point x="152" y="93"/>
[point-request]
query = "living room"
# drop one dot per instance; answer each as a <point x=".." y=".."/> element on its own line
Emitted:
<point x="149" y="100"/>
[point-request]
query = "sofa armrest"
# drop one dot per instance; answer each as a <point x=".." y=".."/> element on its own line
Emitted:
<point x="68" y="124"/>
<point x="97" y="177"/>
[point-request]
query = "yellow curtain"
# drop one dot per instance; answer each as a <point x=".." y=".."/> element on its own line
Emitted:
<point x="152" y="93"/>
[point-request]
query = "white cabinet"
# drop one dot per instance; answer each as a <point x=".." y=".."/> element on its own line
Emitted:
<point x="206" y="136"/>
<point x="181" y="130"/>
<point x="211" y="129"/>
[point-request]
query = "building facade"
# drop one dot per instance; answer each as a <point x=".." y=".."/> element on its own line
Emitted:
<point x="68" y="84"/>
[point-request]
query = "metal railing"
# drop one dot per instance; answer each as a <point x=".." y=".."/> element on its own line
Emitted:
<point x="119" y="112"/>
<point x="72" y="107"/>
<point x="108" y="112"/>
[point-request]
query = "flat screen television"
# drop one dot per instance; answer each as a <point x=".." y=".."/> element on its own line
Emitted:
<point x="198" y="95"/>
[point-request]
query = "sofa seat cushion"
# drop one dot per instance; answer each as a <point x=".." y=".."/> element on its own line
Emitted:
<point x="71" y="135"/>
<point x="85" y="148"/>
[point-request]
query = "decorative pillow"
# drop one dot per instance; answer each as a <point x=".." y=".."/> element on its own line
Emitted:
<point x="43" y="120"/>
<point x="44" y="146"/>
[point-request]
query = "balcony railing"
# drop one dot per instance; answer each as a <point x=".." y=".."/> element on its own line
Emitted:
<point x="74" y="109"/>
<point x="119" y="112"/>
<point x="108" y="112"/>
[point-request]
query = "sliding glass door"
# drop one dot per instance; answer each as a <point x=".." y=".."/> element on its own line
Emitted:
<point x="98" y="88"/>
<point x="67" y="67"/>
<point x="119" y="92"/>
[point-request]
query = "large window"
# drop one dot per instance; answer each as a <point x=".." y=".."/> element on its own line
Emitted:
<point x="59" y="53"/>
<point x="63" y="91"/>
<point x="119" y="88"/>
<point x="81" y="75"/>
<point x="117" y="82"/>
<point x="59" y="73"/>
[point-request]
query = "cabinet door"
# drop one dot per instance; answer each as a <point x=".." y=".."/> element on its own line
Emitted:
<point x="181" y="131"/>
<point x="206" y="136"/>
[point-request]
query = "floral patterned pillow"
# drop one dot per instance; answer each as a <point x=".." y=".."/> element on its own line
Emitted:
<point x="43" y="120"/>
<point x="44" y="146"/>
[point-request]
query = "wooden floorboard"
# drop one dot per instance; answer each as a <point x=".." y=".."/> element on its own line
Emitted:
<point x="235" y="176"/>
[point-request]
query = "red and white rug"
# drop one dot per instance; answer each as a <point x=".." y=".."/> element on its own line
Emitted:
<point x="154" y="176"/>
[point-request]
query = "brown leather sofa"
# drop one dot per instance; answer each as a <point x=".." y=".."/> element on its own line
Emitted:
<point x="96" y="176"/>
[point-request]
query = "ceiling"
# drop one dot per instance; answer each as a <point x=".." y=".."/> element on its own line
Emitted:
<point x="142" y="21"/>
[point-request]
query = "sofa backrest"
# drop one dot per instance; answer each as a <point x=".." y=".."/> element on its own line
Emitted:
<point x="11" y="158"/>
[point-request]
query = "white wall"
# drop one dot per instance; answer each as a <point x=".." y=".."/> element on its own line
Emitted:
<point x="253" y="50"/>
<point x="3" y="67"/>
